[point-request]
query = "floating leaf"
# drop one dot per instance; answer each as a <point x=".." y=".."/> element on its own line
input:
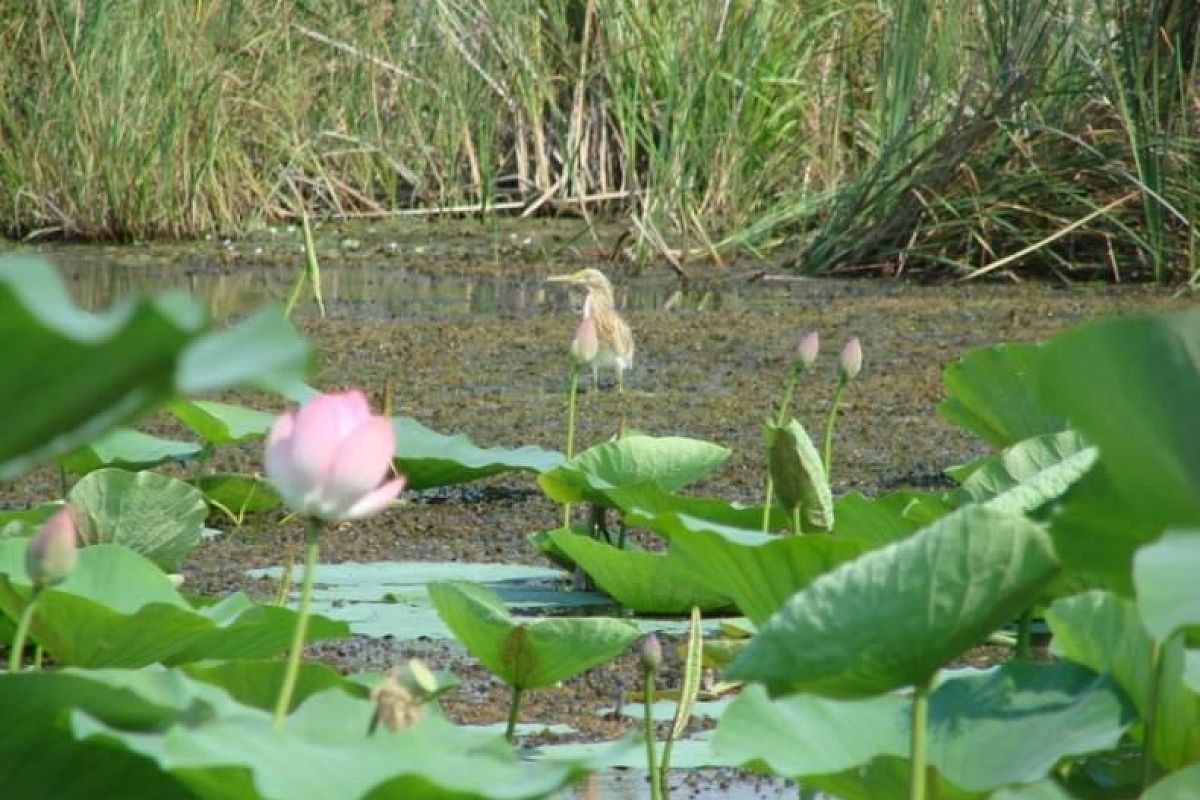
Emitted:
<point x="1105" y="633"/>
<point x="670" y="462"/>
<point x="1008" y="725"/>
<point x="651" y="583"/>
<point x="799" y="476"/>
<point x="127" y="449"/>
<point x="644" y="501"/>
<point x="758" y="571"/>
<point x="118" y="609"/>
<point x="855" y="631"/>
<point x="78" y="374"/>
<point x="155" y="515"/>
<point x="990" y="392"/>
<point x="429" y="458"/>
<point x="222" y="423"/>
<point x="527" y="655"/>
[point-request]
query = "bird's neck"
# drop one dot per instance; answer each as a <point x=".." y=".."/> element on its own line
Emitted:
<point x="597" y="302"/>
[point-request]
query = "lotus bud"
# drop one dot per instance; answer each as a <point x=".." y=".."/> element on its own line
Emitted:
<point x="329" y="459"/>
<point x="850" y="362"/>
<point x="396" y="706"/>
<point x="806" y="352"/>
<point x="650" y="654"/>
<point x="586" y="344"/>
<point x="51" y="554"/>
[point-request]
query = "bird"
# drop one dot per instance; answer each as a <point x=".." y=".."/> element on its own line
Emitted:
<point x="615" y="337"/>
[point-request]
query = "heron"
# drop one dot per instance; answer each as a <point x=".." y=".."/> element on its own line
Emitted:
<point x="615" y="337"/>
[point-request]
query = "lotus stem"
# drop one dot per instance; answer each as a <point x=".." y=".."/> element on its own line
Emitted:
<point x="785" y="404"/>
<point x="18" y="643"/>
<point x="829" y="425"/>
<point x="656" y="779"/>
<point x="572" y="402"/>
<point x="797" y="528"/>
<point x="312" y="542"/>
<point x="920" y="721"/>
<point x="38" y="653"/>
<point x="514" y="709"/>
<point x="285" y="582"/>
<point x="1024" y="635"/>
<point x="1149" y="740"/>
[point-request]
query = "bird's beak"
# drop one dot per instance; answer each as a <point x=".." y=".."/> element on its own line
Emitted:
<point x="561" y="279"/>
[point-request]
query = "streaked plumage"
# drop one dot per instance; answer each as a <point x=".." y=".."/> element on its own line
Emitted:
<point x="615" y="337"/>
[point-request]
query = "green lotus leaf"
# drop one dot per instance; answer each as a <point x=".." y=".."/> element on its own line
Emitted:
<point x="527" y="655"/>
<point x="852" y="632"/>
<point x="153" y="514"/>
<point x="649" y="583"/>
<point x="990" y="392"/>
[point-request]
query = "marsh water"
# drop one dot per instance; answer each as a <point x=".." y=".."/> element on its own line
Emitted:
<point x="459" y="322"/>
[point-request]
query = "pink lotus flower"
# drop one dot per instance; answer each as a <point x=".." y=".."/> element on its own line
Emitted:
<point x="808" y="350"/>
<point x="51" y="555"/>
<point x="328" y="459"/>
<point x="850" y="363"/>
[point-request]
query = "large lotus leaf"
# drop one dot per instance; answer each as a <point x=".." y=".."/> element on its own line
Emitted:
<point x="156" y="515"/>
<point x="237" y="494"/>
<point x="882" y="520"/>
<point x="1047" y="789"/>
<point x="322" y="753"/>
<point x="759" y="571"/>
<point x="1164" y="574"/>
<point x="1132" y="386"/>
<point x="988" y="729"/>
<point x="77" y="374"/>
<point x="127" y="449"/>
<point x="799" y="476"/>
<point x="429" y="458"/>
<point x="670" y="462"/>
<point x="222" y="423"/>
<point x="895" y="615"/>
<point x="1029" y="474"/>
<point x="526" y="655"/>
<point x="649" y="583"/>
<point x="1181" y="785"/>
<point x="990" y="392"/>
<point x="1105" y="632"/>
<point x="118" y="609"/>
<point x="196" y="735"/>
<point x="40" y="758"/>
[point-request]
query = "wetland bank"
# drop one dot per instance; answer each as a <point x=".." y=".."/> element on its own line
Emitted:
<point x="474" y="342"/>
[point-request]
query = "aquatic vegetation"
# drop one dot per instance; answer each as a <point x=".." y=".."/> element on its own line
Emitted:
<point x="1084" y="514"/>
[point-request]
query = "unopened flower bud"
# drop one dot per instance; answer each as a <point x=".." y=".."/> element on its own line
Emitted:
<point x="395" y="704"/>
<point x="650" y="653"/>
<point x="586" y="344"/>
<point x="850" y="363"/>
<point x="806" y="352"/>
<point x="51" y="554"/>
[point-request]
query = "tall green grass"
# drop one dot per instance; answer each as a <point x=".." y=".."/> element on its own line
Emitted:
<point x="984" y="137"/>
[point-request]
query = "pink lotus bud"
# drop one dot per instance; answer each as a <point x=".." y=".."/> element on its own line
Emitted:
<point x="328" y="459"/>
<point x="51" y="554"/>
<point x="806" y="352"/>
<point x="586" y="344"/>
<point x="850" y="363"/>
<point x="651" y="653"/>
